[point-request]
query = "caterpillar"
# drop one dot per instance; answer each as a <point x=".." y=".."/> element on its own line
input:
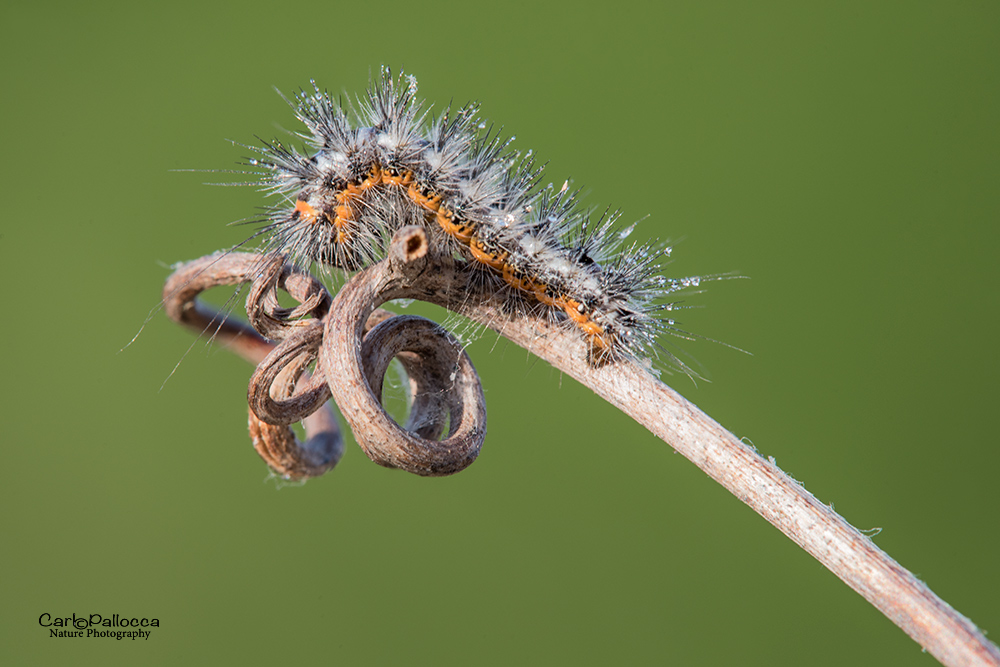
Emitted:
<point x="367" y="169"/>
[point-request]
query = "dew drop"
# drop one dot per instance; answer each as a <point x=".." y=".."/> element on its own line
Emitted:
<point x="625" y="233"/>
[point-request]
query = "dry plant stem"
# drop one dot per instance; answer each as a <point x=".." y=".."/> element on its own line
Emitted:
<point x="445" y="381"/>
<point x="447" y="388"/>
<point x="276" y="444"/>
<point x="759" y="483"/>
<point x="180" y="303"/>
<point x="275" y="441"/>
<point x="279" y="372"/>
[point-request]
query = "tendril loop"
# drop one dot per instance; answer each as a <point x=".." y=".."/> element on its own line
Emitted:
<point x="349" y="343"/>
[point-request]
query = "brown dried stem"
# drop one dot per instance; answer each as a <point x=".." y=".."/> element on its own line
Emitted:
<point x="412" y="272"/>
<point x="276" y="443"/>
<point x="444" y="380"/>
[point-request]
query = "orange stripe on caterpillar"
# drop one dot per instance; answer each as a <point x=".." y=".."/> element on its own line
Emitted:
<point x="579" y="316"/>
<point x="574" y="310"/>
<point x="391" y="176"/>
<point x="495" y="261"/>
<point x="594" y="331"/>
<point x="305" y="211"/>
<point x="429" y="202"/>
<point x="527" y="284"/>
<point x="599" y="339"/>
<point x="342" y="220"/>
<point x="344" y="212"/>
<point x="512" y="278"/>
<point x="374" y="178"/>
<point x="463" y="232"/>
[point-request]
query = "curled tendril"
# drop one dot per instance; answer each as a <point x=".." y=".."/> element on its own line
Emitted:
<point x="266" y="315"/>
<point x="351" y="342"/>
<point x="275" y="442"/>
<point x="280" y="372"/>
<point x="445" y="386"/>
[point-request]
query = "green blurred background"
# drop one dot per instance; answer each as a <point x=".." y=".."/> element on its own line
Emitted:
<point x="845" y="157"/>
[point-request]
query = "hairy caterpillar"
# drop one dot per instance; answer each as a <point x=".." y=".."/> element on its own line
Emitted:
<point x="389" y="162"/>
